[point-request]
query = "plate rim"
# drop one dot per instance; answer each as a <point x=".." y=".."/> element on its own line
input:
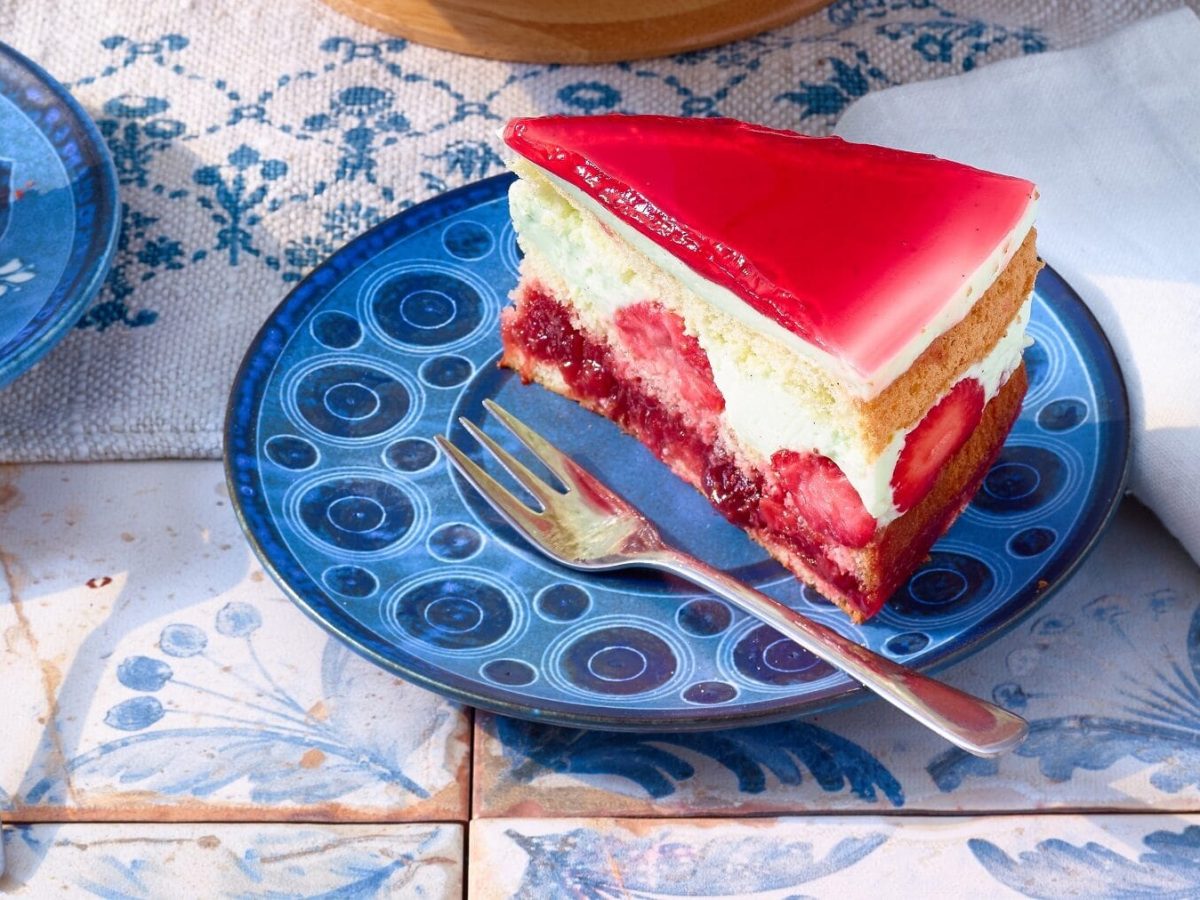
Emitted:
<point x="364" y="642"/>
<point x="85" y="281"/>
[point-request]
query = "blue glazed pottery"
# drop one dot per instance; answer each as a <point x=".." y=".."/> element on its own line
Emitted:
<point x="59" y="212"/>
<point x="350" y="507"/>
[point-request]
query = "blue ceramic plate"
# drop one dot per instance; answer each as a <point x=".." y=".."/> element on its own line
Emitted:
<point x="58" y="212"/>
<point x="348" y="503"/>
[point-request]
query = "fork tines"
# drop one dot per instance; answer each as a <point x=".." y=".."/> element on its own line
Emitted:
<point x="498" y="495"/>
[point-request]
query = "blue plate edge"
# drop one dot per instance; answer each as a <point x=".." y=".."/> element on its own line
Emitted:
<point x="634" y="720"/>
<point x="41" y="344"/>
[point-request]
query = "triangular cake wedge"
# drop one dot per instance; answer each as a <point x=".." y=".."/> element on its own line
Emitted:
<point x="823" y="337"/>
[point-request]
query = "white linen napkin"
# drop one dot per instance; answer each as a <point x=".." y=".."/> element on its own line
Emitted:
<point x="1110" y="133"/>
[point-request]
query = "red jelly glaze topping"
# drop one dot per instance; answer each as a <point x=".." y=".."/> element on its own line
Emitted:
<point x="853" y="248"/>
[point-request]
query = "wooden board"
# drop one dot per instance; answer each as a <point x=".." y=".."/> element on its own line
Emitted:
<point x="574" y="31"/>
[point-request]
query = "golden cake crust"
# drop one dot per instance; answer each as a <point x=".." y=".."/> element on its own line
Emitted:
<point x="909" y="397"/>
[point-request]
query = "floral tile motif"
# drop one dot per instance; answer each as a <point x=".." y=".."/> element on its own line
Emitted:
<point x="539" y="770"/>
<point x="1001" y="856"/>
<point x="158" y="673"/>
<point x="1107" y="672"/>
<point x="352" y="861"/>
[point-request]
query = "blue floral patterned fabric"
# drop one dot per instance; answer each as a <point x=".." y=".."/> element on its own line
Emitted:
<point x="252" y="140"/>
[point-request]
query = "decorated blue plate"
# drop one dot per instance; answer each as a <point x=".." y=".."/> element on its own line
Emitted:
<point x="349" y="505"/>
<point x="59" y="212"/>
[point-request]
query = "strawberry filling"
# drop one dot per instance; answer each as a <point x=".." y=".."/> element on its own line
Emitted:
<point x="803" y="502"/>
<point x="814" y="489"/>
<point x="657" y="339"/>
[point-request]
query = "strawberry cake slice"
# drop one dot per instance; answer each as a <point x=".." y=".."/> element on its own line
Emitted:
<point x="823" y="337"/>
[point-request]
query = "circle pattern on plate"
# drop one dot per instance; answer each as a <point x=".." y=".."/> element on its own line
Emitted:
<point x="457" y="612"/>
<point x="705" y="617"/>
<point x="455" y="542"/>
<point x="351" y="400"/>
<point x="765" y="656"/>
<point x="424" y="308"/>
<point x="562" y="602"/>
<point x="352" y="507"/>
<point x="353" y="513"/>
<point x="291" y="452"/>
<point x="615" y="658"/>
<point x="350" y="581"/>
<point x="618" y="660"/>
<point x="336" y="330"/>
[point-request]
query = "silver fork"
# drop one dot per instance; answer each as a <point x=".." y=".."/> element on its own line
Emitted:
<point x="591" y="527"/>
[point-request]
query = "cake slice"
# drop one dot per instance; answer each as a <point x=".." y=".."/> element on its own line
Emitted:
<point x="823" y="337"/>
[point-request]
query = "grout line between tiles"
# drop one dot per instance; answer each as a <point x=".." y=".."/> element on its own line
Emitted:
<point x="466" y="838"/>
<point x="868" y="814"/>
<point x="697" y="814"/>
<point x="5" y="820"/>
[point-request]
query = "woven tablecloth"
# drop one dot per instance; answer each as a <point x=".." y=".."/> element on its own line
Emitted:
<point x="252" y="139"/>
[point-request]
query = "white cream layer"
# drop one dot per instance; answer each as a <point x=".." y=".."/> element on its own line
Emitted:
<point x="754" y="415"/>
<point x="862" y="385"/>
<point x="760" y="417"/>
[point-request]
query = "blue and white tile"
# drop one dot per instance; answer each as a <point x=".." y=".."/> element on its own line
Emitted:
<point x="153" y="671"/>
<point x="1001" y="856"/>
<point x="1107" y="672"/>
<point x="127" y="861"/>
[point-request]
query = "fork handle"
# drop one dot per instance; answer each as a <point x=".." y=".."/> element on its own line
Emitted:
<point x="975" y="725"/>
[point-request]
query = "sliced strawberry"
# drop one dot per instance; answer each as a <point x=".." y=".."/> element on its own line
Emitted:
<point x="656" y="336"/>
<point x="823" y="497"/>
<point x="936" y="438"/>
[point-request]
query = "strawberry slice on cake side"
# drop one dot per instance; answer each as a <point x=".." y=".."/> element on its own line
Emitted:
<point x="823" y="337"/>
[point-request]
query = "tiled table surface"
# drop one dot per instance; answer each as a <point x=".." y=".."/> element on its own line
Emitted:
<point x="152" y="675"/>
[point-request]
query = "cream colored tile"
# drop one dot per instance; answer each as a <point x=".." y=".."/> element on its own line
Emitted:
<point x="153" y="671"/>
